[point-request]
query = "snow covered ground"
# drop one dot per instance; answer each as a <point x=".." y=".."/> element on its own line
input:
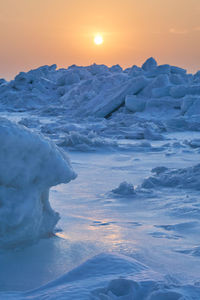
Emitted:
<point x="129" y="223"/>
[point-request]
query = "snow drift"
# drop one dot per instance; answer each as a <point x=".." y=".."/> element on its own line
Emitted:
<point x="98" y="278"/>
<point x="29" y="166"/>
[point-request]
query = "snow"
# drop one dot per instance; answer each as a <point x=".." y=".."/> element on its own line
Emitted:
<point x="128" y="226"/>
<point x="96" y="279"/>
<point x="30" y="165"/>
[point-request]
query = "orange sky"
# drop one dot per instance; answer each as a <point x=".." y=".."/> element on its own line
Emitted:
<point x="39" y="32"/>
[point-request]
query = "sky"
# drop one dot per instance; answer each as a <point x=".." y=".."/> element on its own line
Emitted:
<point x="45" y="32"/>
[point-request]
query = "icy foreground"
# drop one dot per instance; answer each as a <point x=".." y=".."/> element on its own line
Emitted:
<point x="98" y="279"/>
<point x="30" y="165"/>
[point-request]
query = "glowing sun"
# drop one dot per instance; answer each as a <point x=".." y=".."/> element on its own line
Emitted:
<point x="98" y="39"/>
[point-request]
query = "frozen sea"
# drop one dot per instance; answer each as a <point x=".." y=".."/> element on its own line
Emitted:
<point x="129" y="223"/>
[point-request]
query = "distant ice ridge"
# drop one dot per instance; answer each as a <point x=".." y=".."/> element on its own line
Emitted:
<point x="29" y="166"/>
<point x="136" y="103"/>
<point x="99" y="90"/>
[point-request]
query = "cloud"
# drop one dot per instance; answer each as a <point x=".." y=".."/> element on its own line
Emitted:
<point x="184" y="31"/>
<point x="196" y="28"/>
<point x="178" y="31"/>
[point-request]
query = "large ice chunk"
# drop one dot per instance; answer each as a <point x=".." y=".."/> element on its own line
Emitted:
<point x="150" y="64"/>
<point x="110" y="100"/>
<point x="160" y="81"/>
<point x="29" y="166"/>
<point x="177" y="70"/>
<point x="135" y="103"/>
<point x="178" y="91"/>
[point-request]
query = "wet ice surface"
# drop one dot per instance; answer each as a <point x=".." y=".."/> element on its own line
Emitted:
<point x="130" y="222"/>
<point x="136" y="224"/>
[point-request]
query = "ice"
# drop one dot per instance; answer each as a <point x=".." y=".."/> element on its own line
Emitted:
<point x="164" y="69"/>
<point x="187" y="103"/>
<point x="134" y="71"/>
<point x="193" y="90"/>
<point x="135" y="103"/>
<point x="161" y="69"/>
<point x="70" y="77"/>
<point x="85" y="142"/>
<point x="177" y="70"/>
<point x="160" y="81"/>
<point x="110" y="100"/>
<point x="194" y="108"/>
<point x="2" y="81"/>
<point x="29" y="123"/>
<point x="186" y="178"/>
<point x="150" y="64"/>
<point x="178" y="91"/>
<point x="98" y="69"/>
<point x="195" y="143"/>
<point x="161" y="92"/>
<point x="30" y="165"/>
<point x="116" y="68"/>
<point x="117" y="125"/>
<point x="98" y="278"/>
<point x="177" y="79"/>
<point x="98" y="90"/>
<point x="125" y="189"/>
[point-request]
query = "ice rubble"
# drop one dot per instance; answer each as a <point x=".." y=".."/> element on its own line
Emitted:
<point x="29" y="166"/>
<point x="138" y="102"/>
<point x="124" y="189"/>
<point x="99" y="90"/>
<point x="82" y="142"/>
<point x="184" y="178"/>
<point x="188" y="178"/>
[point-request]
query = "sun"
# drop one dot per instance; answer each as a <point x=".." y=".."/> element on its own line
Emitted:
<point x="98" y="39"/>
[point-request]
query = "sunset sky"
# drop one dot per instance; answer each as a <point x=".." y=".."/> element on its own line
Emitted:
<point x="40" y="32"/>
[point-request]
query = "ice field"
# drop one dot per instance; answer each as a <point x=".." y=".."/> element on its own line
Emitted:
<point x="127" y="227"/>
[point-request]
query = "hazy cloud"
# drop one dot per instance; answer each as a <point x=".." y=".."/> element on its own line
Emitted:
<point x="183" y="31"/>
<point x="178" y="31"/>
<point x="196" y="28"/>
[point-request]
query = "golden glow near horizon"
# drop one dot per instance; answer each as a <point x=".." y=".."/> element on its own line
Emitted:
<point x="35" y="33"/>
<point x="98" y="39"/>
